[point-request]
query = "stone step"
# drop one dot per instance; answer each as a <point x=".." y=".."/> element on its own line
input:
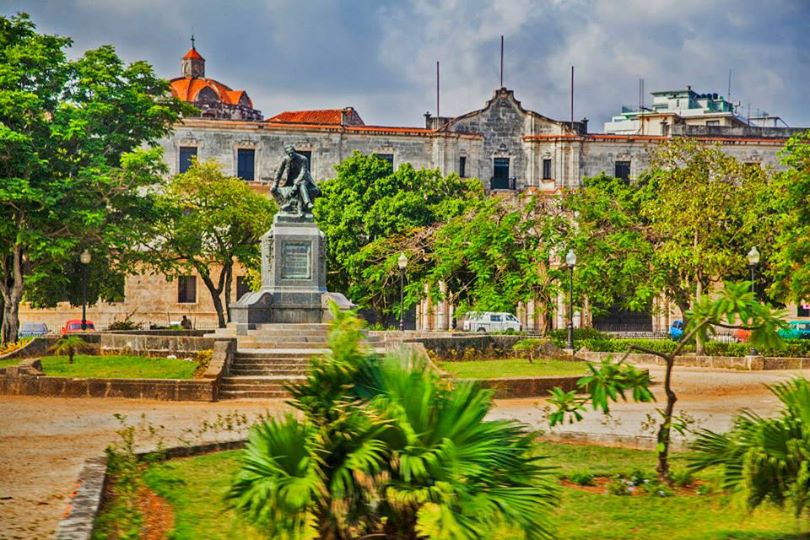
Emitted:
<point x="298" y="368"/>
<point x="259" y="372"/>
<point x="253" y="394"/>
<point x="286" y="333"/>
<point x="265" y="352"/>
<point x="324" y="327"/>
<point x="264" y="343"/>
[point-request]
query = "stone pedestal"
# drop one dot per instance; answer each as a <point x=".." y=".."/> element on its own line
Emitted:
<point x="293" y="277"/>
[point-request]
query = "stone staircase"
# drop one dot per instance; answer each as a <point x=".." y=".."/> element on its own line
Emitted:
<point x="271" y="356"/>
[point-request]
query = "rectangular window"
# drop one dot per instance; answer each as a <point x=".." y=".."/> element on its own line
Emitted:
<point x="622" y="170"/>
<point x="500" y="176"/>
<point x="187" y="289"/>
<point x="245" y="160"/>
<point x="242" y="286"/>
<point x="547" y="169"/>
<point x="186" y="155"/>
<point x="803" y="309"/>
<point x="462" y="166"/>
<point x="712" y="122"/>
<point x="387" y="157"/>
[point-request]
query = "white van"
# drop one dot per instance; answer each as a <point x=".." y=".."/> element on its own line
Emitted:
<point x="490" y="321"/>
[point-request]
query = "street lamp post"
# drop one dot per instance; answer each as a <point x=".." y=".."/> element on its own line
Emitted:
<point x="753" y="261"/>
<point x="571" y="260"/>
<point x="402" y="263"/>
<point x="85" y="259"/>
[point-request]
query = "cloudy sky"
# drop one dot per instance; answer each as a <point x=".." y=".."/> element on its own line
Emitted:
<point x="380" y="56"/>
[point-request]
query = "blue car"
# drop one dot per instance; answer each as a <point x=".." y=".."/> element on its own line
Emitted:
<point x="676" y="330"/>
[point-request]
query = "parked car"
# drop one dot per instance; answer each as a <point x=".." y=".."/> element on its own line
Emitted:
<point x="32" y="329"/>
<point x="74" y="326"/>
<point x="490" y="321"/>
<point x="796" y="330"/>
<point x="676" y="330"/>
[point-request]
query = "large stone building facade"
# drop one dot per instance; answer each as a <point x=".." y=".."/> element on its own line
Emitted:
<point x="508" y="147"/>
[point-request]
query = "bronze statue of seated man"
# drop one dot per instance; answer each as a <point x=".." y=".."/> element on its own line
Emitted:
<point x="293" y="189"/>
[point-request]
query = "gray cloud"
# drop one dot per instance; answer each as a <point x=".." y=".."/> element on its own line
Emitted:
<point x="380" y="56"/>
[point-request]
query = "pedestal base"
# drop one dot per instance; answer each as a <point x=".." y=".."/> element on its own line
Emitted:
<point x="293" y="278"/>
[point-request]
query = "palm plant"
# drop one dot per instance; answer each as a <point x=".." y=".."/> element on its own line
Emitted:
<point x="69" y="346"/>
<point x="388" y="448"/>
<point x="769" y="458"/>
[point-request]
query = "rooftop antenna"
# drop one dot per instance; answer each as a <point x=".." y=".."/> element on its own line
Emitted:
<point x="641" y="104"/>
<point x="572" y="98"/>
<point x="728" y="94"/>
<point x="438" y="114"/>
<point x="501" y="61"/>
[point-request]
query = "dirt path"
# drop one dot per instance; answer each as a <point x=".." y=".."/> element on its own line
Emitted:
<point x="44" y="441"/>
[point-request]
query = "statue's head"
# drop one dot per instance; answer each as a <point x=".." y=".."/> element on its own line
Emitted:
<point x="288" y="148"/>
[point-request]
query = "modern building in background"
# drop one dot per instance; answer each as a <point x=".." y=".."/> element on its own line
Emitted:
<point x="507" y="146"/>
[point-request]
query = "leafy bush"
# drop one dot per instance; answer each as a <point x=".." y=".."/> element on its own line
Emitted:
<point x="619" y="486"/>
<point x="582" y="478"/>
<point x="663" y="346"/>
<point x="716" y="348"/>
<point x="124" y="325"/>
<point x="681" y="477"/>
<point x="203" y="360"/>
<point x="559" y="337"/>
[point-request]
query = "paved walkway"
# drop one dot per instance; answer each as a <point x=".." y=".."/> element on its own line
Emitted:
<point x="44" y="441"/>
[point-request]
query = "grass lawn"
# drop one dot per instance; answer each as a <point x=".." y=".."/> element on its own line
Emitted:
<point x="492" y="369"/>
<point x="195" y="488"/>
<point x="9" y="362"/>
<point x="118" y="367"/>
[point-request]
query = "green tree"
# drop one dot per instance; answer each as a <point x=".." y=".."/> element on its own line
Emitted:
<point x="385" y="447"/>
<point x="790" y="202"/>
<point x="208" y="222"/>
<point x="683" y="228"/>
<point x="734" y="307"/>
<point x="765" y="457"/>
<point x="501" y="252"/>
<point x="72" y="170"/>
<point x="368" y="212"/>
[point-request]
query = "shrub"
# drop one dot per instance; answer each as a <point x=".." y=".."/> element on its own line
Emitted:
<point x="203" y="360"/>
<point x="582" y="478"/>
<point x="559" y="337"/>
<point x="124" y="325"/>
<point x="681" y="477"/>
<point x="618" y="486"/>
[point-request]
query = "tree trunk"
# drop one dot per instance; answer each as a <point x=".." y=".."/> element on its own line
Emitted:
<point x="665" y="431"/>
<point x="698" y="295"/>
<point x="228" y="269"/>
<point x="11" y="287"/>
<point x="216" y="293"/>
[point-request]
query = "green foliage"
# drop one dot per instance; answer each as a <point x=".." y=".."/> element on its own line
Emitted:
<point x="208" y="221"/>
<point x="385" y="446"/>
<point x="371" y="214"/>
<point x="621" y="345"/>
<point x="767" y="458"/>
<point x="619" y="486"/>
<point x="75" y="167"/>
<point x="501" y="252"/>
<point x="69" y="346"/>
<point x="582" y="478"/>
<point x="558" y="337"/>
<point x="789" y="201"/>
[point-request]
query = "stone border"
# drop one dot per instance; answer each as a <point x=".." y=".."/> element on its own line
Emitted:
<point x="28" y="379"/>
<point x="85" y="502"/>
<point x="749" y="363"/>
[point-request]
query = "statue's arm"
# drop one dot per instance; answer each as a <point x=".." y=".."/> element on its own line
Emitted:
<point x="279" y="174"/>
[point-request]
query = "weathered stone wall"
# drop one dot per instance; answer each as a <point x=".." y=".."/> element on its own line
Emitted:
<point x="154" y="345"/>
<point x="162" y="389"/>
<point x="521" y="387"/>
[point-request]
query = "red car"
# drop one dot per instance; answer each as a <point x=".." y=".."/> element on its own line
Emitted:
<point x="74" y="326"/>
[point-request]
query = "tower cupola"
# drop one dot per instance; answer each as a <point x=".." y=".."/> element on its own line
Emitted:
<point x="193" y="63"/>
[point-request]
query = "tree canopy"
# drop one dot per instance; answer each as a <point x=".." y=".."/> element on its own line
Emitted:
<point x="72" y="163"/>
<point x="208" y="221"/>
<point x="370" y="212"/>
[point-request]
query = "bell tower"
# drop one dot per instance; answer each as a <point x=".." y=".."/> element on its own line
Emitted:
<point x="193" y="63"/>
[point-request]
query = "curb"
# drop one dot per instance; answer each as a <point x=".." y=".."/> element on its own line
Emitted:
<point x="86" y="499"/>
